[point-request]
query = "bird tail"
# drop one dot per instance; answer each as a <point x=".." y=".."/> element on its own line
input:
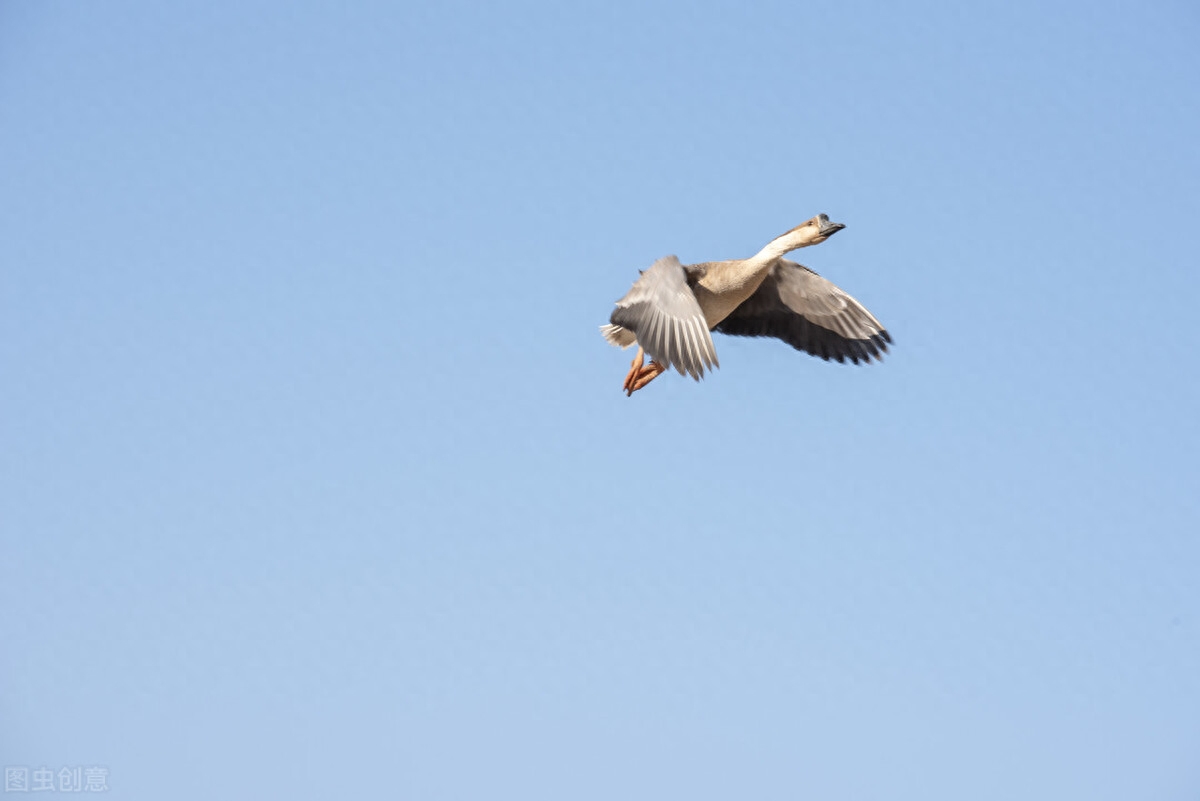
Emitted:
<point x="616" y="335"/>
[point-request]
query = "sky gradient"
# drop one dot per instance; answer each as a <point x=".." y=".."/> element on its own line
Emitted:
<point x="317" y="480"/>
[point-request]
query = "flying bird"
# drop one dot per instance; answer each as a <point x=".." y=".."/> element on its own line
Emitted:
<point x="672" y="307"/>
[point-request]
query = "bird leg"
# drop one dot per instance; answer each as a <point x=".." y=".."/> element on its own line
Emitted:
<point x="647" y="374"/>
<point x="639" y="375"/>
<point x="634" y="369"/>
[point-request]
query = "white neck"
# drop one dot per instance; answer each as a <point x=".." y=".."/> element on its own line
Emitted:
<point x="793" y="239"/>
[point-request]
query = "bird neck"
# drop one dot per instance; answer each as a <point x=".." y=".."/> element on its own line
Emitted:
<point x="779" y="246"/>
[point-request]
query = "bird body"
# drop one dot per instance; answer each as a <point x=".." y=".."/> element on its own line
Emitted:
<point x="722" y="286"/>
<point x="672" y="307"/>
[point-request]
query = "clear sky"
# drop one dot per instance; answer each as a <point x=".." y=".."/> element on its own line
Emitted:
<point x="317" y="478"/>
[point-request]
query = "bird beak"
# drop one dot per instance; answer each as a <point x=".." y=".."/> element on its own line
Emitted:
<point x="828" y="228"/>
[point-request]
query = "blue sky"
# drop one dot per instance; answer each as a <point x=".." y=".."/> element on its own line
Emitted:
<point x="317" y="476"/>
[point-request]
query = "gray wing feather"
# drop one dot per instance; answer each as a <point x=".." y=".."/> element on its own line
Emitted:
<point x="662" y="312"/>
<point x="810" y="314"/>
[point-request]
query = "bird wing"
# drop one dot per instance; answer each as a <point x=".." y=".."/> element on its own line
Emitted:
<point x="810" y="314"/>
<point x="662" y="312"/>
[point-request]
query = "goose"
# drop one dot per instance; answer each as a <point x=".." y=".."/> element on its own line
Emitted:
<point x="671" y="308"/>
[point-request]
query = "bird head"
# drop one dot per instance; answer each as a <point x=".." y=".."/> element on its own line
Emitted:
<point x="814" y="231"/>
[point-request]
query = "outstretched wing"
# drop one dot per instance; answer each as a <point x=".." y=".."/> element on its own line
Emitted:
<point x="810" y="314"/>
<point x="663" y="314"/>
